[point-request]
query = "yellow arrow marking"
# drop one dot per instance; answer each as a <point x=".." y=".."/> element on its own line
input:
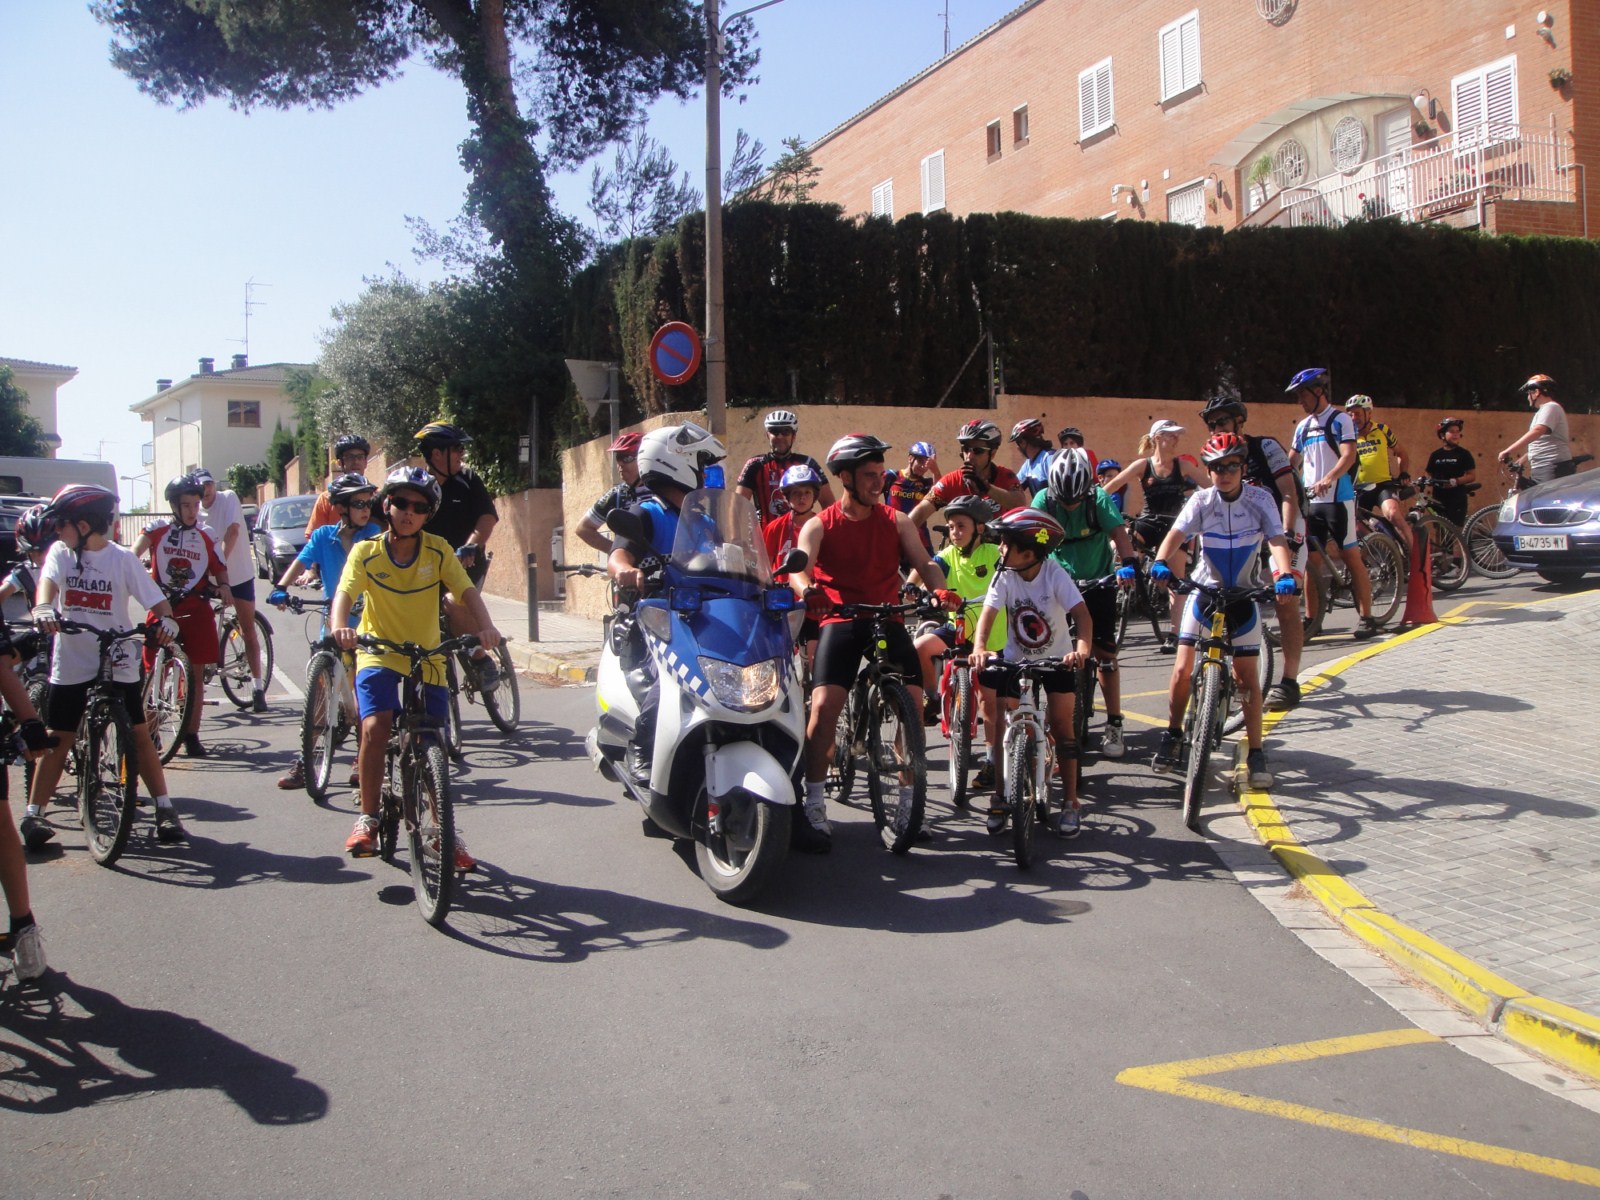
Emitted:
<point x="1177" y="1079"/>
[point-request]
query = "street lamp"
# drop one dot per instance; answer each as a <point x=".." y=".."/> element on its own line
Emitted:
<point x="716" y="358"/>
<point x="180" y="422"/>
<point x="139" y="479"/>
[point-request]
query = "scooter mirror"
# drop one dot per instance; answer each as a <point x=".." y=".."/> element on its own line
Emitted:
<point x="626" y="525"/>
<point x="795" y="560"/>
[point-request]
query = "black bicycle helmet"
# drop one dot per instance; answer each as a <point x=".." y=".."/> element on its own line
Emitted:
<point x="34" y="530"/>
<point x="182" y="485"/>
<point x="440" y="435"/>
<point x="351" y="441"/>
<point x="979" y="508"/>
<point x="417" y="479"/>
<point x="1223" y="406"/>
<point x="979" y="432"/>
<point x="853" y="449"/>
<point x="1439" y="430"/>
<point x="344" y="488"/>
<point x="1071" y="432"/>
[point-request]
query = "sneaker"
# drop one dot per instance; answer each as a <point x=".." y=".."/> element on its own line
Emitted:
<point x="363" y="839"/>
<point x="1069" y="824"/>
<point x="464" y="860"/>
<point x="192" y="747"/>
<point x="27" y="952"/>
<point x="810" y="832"/>
<point x="488" y="674"/>
<point x="997" y="818"/>
<point x="1167" y="754"/>
<point x="1365" y="628"/>
<point x="168" y="827"/>
<point x="1169" y="644"/>
<point x="35" y="832"/>
<point x="295" y="778"/>
<point x="930" y="709"/>
<point x="1111" y="740"/>
<point x="258" y="700"/>
<point x="1284" y="696"/>
<point x="985" y="778"/>
<point x="1257" y="772"/>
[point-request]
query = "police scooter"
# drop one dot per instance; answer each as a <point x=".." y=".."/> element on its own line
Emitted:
<point x="715" y="641"/>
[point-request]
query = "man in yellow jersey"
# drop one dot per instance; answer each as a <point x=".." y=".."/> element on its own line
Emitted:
<point x="1376" y="484"/>
<point x="399" y="574"/>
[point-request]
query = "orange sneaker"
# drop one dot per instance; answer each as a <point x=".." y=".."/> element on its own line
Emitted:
<point x="363" y="839"/>
<point x="464" y="859"/>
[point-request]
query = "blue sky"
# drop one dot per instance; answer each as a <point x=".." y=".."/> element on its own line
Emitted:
<point x="128" y="230"/>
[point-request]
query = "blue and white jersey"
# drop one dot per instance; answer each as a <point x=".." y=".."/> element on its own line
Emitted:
<point x="1231" y="533"/>
<point x="1034" y="474"/>
<point x="1318" y="440"/>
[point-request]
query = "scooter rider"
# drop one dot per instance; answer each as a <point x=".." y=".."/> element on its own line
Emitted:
<point x="672" y="463"/>
<point x="853" y="553"/>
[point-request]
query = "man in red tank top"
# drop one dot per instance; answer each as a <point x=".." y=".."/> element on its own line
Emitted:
<point x="854" y="549"/>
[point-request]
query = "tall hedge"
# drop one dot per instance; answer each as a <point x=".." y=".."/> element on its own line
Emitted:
<point x="828" y="308"/>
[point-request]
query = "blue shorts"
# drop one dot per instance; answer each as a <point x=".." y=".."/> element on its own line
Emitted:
<point x="378" y="691"/>
<point x="245" y="591"/>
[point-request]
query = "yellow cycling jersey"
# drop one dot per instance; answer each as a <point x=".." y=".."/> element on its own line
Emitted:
<point x="1373" y="447"/>
<point x="402" y="600"/>
<point x="969" y="576"/>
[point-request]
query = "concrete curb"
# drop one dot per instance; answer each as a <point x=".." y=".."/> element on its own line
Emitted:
<point x="1562" y="1034"/>
<point x="538" y="662"/>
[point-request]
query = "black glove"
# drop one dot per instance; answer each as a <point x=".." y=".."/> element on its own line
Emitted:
<point x="975" y="485"/>
<point x="35" y="736"/>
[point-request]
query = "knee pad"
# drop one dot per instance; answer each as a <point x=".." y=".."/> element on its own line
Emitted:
<point x="1066" y="751"/>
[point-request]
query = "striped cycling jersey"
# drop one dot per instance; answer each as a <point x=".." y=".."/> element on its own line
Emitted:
<point x="1231" y="533"/>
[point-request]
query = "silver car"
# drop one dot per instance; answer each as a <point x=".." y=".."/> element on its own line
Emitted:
<point x="1553" y="528"/>
<point x="279" y="533"/>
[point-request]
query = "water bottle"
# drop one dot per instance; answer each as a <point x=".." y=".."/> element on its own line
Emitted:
<point x="714" y="476"/>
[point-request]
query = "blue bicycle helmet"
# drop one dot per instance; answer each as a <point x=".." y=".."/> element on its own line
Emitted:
<point x="1310" y="377"/>
<point x="923" y="449"/>
<point x="1107" y="464"/>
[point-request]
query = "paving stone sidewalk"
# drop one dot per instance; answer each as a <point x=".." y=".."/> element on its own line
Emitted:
<point x="568" y="647"/>
<point x="1452" y="780"/>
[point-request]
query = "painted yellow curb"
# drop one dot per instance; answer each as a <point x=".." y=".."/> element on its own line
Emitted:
<point x="1560" y="1033"/>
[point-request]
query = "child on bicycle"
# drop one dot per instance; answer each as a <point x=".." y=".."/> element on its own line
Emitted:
<point x="1233" y="520"/>
<point x="184" y="561"/>
<point x="90" y="579"/>
<point x="22" y="937"/>
<point x="34" y="536"/>
<point x="970" y="563"/>
<point x="351" y="497"/>
<point x="1042" y="607"/>
<point x="399" y="575"/>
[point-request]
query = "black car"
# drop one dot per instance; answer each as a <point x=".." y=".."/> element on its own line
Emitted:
<point x="1553" y="528"/>
<point x="279" y="533"/>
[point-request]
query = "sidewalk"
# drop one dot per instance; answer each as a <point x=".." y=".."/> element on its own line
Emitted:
<point x="1437" y="793"/>
<point x="568" y="648"/>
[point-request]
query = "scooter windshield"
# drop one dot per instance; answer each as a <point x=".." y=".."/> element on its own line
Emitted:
<point x="719" y="535"/>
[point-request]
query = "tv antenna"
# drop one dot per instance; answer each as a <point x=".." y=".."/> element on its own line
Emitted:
<point x="946" y="16"/>
<point x="250" y="305"/>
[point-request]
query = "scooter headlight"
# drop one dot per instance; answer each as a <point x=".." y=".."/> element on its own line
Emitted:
<point x="747" y="689"/>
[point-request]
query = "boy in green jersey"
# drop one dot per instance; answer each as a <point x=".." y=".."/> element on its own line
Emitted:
<point x="1094" y="528"/>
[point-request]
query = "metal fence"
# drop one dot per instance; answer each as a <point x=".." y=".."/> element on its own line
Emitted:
<point x="1431" y="180"/>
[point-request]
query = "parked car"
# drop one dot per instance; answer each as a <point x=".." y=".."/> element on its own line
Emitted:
<point x="279" y="533"/>
<point x="1553" y="528"/>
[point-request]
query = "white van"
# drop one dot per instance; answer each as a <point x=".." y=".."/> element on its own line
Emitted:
<point x="44" y="477"/>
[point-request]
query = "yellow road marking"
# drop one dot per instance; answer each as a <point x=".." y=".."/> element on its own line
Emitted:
<point x="1178" y="1079"/>
<point x="1145" y="719"/>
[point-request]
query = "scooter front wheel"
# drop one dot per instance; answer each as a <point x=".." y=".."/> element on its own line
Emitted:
<point x="742" y="850"/>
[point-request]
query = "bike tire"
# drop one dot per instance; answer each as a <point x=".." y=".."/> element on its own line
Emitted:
<point x="319" y="725"/>
<point x="234" y="669"/>
<point x="841" y="774"/>
<point x="1021" y="798"/>
<point x="889" y="708"/>
<point x="38" y="693"/>
<point x="1204" y="701"/>
<point x="961" y="720"/>
<point x="1127" y="601"/>
<point x="504" y="700"/>
<point x="431" y="827"/>
<point x="1385" y="560"/>
<point x="454" y="746"/>
<point x="1267" y="664"/>
<point x="1478" y="534"/>
<point x="107" y="783"/>
<point x="1447" y="554"/>
<point x="738" y="865"/>
<point x="169" y="699"/>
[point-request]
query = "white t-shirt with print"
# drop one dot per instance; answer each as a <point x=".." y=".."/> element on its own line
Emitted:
<point x="226" y="510"/>
<point x="93" y="589"/>
<point x="1036" y="612"/>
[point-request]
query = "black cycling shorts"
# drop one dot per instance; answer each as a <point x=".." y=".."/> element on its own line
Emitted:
<point x="1368" y="499"/>
<point x="1008" y="684"/>
<point x="1102" y="604"/>
<point x="1333" y="522"/>
<point x="63" y="707"/>
<point x="844" y="644"/>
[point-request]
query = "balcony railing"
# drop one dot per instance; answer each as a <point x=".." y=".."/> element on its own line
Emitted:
<point x="1432" y="180"/>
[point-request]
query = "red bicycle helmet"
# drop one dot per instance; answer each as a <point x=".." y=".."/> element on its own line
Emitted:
<point x="1032" y="528"/>
<point x="82" y="502"/>
<point x="626" y="443"/>
<point x="1032" y="427"/>
<point x="34" y="530"/>
<point x="1224" y="445"/>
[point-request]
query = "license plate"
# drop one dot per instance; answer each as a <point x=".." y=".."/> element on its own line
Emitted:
<point x="1541" y="541"/>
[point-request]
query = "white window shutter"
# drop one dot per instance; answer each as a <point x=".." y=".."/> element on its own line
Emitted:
<point x="933" y="182"/>
<point x="1086" y="121"/>
<point x="1102" y="96"/>
<point x="1171" y="61"/>
<point x="1468" y="109"/>
<point x="883" y="199"/>
<point x="1500" y="100"/>
<point x="1191" y="51"/>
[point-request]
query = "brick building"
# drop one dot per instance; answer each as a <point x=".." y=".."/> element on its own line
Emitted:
<point x="1481" y="113"/>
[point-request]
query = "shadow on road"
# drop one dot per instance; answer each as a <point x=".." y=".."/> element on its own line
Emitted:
<point x="64" y="1045"/>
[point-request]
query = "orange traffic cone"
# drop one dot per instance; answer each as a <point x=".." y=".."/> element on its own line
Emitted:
<point x="1419" y="586"/>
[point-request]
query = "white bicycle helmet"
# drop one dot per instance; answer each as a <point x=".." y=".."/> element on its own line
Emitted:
<point x="1071" y="476"/>
<point x="781" y="419"/>
<point x="678" y="454"/>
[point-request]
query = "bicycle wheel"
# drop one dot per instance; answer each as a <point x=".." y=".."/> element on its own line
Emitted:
<point x="504" y="700"/>
<point x="1479" y="538"/>
<point x="453" y="744"/>
<point x="235" y="665"/>
<point x="1385" y="560"/>
<point x="430" y="823"/>
<point x="959" y="714"/>
<point x="1447" y="554"/>
<point x="319" y="725"/>
<point x="107" y="781"/>
<point x="169" y="699"/>
<point x="38" y="693"/>
<point x="1127" y="601"/>
<point x="1204" y="702"/>
<point x="1266" y="669"/>
<point x="841" y="775"/>
<point x="895" y="764"/>
<point x="1020" y="796"/>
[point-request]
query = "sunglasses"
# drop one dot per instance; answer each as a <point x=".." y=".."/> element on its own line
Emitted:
<point x="626" y="458"/>
<point x="1231" y="467"/>
<point x="421" y="507"/>
<point x="974" y="450"/>
<point x="358" y="503"/>
<point x="1220" y="421"/>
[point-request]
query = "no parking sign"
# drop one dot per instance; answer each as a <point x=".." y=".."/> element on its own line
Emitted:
<point x="675" y="352"/>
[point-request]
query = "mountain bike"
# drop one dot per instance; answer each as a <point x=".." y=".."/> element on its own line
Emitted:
<point x="234" y="667"/>
<point x="1089" y="677"/>
<point x="33" y="650"/>
<point x="1329" y="578"/>
<point x="1212" y="693"/>
<point x="1448" y="557"/>
<point x="416" y="783"/>
<point x="1145" y="600"/>
<point x="170" y="697"/>
<point x="327" y="720"/>
<point x="1028" y="753"/>
<point x="958" y="705"/>
<point x="879" y="717"/>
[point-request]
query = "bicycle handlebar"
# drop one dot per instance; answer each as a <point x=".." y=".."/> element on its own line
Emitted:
<point x="584" y="569"/>
<point x="417" y="653"/>
<point x="1226" y="595"/>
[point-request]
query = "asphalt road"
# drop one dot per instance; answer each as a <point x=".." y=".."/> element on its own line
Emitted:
<point x="254" y="1014"/>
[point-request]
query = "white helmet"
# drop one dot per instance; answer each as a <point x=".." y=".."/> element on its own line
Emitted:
<point x="1071" y="476"/>
<point x="678" y="454"/>
<point x="781" y="419"/>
